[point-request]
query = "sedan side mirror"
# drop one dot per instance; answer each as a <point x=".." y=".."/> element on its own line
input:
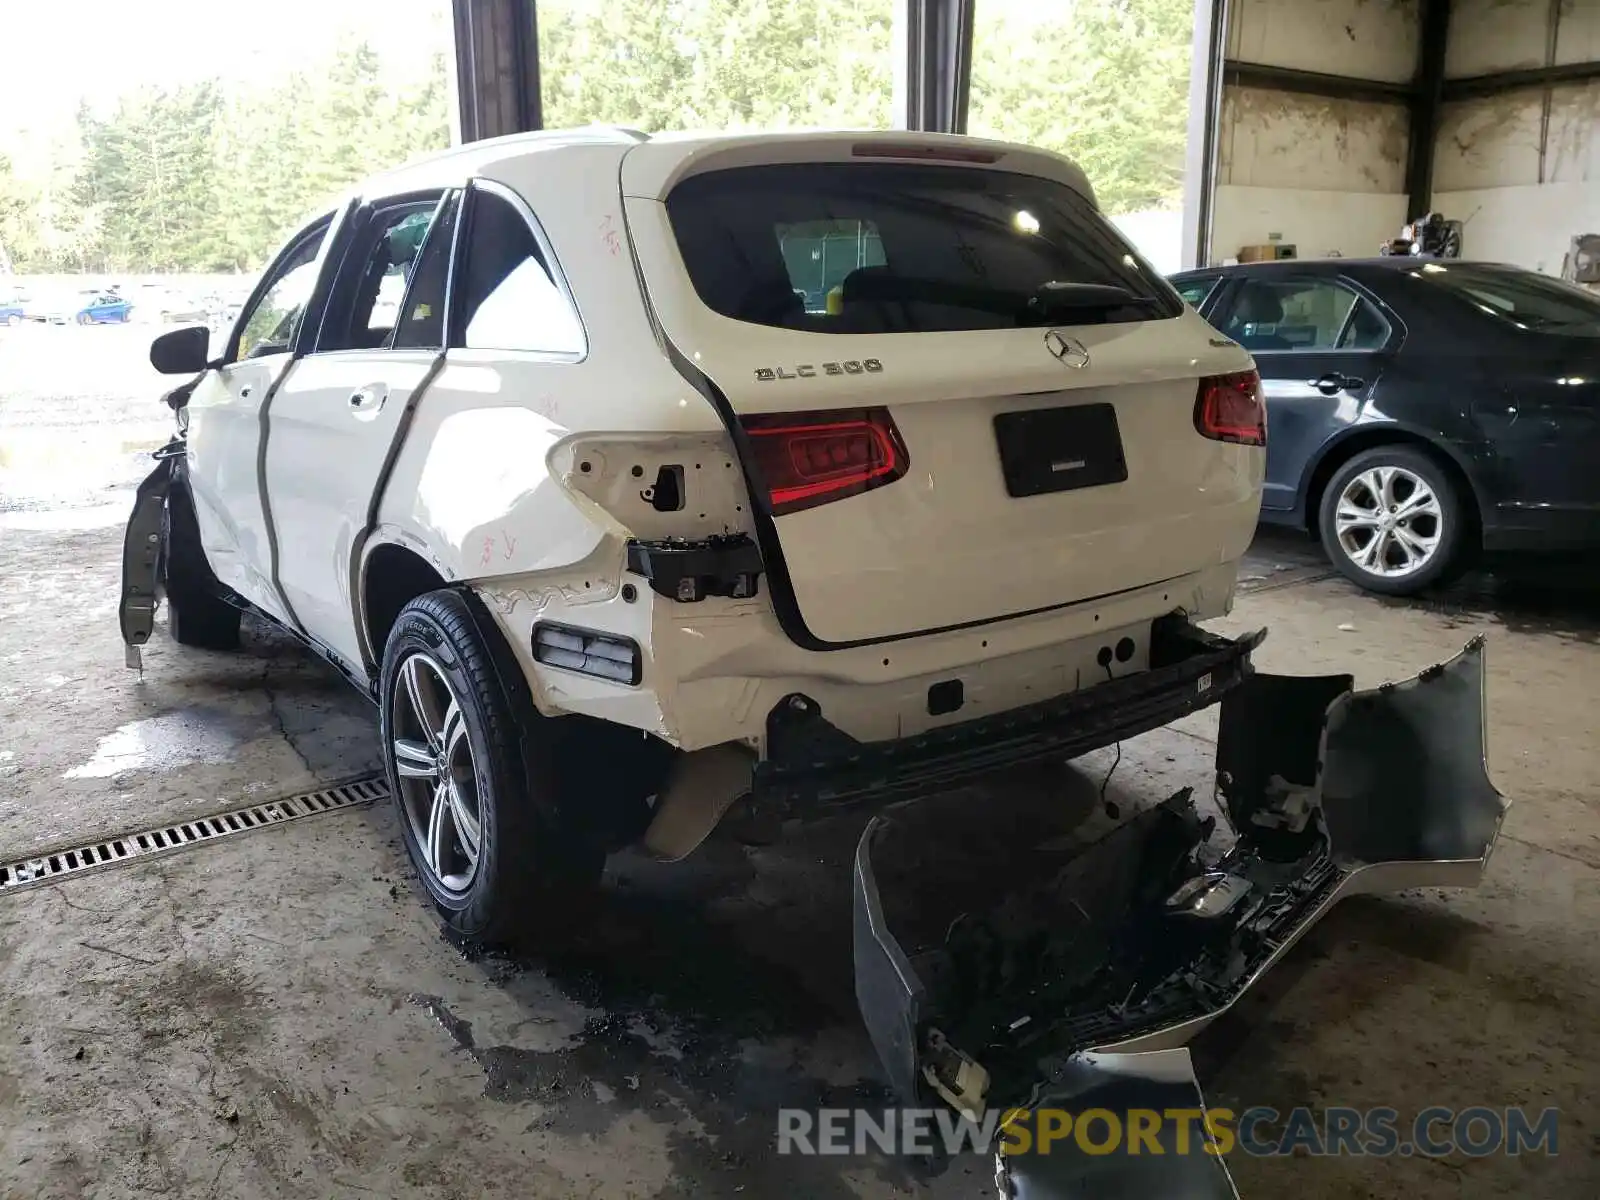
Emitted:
<point x="182" y="352"/>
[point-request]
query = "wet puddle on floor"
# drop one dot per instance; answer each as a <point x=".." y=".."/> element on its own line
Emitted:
<point x="197" y="735"/>
<point x="706" y="1001"/>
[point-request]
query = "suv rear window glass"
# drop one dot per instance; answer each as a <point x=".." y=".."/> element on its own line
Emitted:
<point x="900" y="248"/>
<point x="1524" y="299"/>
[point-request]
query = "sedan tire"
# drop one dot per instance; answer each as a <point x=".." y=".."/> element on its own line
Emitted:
<point x="1392" y="521"/>
<point x="472" y="772"/>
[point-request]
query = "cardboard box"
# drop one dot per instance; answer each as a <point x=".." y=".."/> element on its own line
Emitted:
<point x="1266" y="252"/>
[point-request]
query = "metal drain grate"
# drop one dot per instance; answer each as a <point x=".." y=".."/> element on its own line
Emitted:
<point x="48" y="868"/>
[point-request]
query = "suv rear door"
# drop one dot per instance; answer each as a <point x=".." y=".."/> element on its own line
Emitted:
<point x="338" y="414"/>
<point x="1006" y="430"/>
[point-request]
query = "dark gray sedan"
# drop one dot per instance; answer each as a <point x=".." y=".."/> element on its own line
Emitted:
<point x="1419" y="410"/>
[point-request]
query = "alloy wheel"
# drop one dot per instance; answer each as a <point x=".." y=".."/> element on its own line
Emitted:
<point x="1389" y="521"/>
<point x="438" y="779"/>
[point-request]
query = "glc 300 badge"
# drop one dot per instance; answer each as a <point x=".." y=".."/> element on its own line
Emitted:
<point x="865" y="366"/>
<point x="1070" y="351"/>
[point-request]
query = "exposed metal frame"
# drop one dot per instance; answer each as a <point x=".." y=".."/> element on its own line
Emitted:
<point x="1204" y="141"/>
<point x="1472" y="87"/>
<point x="496" y="68"/>
<point x="1314" y="83"/>
<point x="497" y="78"/>
<point x="1426" y="97"/>
<point x="938" y="64"/>
<point x="1435" y="24"/>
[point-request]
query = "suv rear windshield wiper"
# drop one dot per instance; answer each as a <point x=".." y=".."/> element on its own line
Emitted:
<point x="1077" y="299"/>
<point x="1087" y="303"/>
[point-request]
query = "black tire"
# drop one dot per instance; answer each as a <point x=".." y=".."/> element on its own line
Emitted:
<point x="528" y="866"/>
<point x="1449" y="524"/>
<point x="196" y="615"/>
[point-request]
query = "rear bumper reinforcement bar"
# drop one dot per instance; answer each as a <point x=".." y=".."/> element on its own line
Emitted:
<point x="810" y="760"/>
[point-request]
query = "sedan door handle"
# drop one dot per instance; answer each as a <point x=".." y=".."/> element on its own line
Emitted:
<point x="1334" y="382"/>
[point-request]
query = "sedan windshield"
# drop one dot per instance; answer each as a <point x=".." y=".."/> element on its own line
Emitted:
<point x="1522" y="298"/>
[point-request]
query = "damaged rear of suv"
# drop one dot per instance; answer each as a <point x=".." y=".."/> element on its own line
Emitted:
<point x="641" y="480"/>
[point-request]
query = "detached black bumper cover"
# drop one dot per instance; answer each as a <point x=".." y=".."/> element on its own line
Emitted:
<point x="141" y="555"/>
<point x="1143" y="938"/>
<point x="810" y="760"/>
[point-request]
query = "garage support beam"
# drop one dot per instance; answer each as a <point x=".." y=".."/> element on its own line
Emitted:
<point x="1426" y="97"/>
<point x="1313" y="83"/>
<point x="496" y="68"/>
<point x="938" y="64"/>
<point x="1474" y="86"/>
<point x="1207" y="57"/>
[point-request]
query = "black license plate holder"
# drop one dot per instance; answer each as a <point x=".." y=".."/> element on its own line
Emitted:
<point x="1048" y="450"/>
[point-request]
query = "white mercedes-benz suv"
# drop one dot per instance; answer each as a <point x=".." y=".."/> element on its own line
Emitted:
<point x="648" y="482"/>
<point x="633" y="477"/>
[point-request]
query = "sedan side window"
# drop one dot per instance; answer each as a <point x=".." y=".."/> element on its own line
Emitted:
<point x="270" y="327"/>
<point x="1303" y="314"/>
<point x="509" y="298"/>
<point x="1195" y="291"/>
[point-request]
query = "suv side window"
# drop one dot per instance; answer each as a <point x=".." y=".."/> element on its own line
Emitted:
<point x="270" y="326"/>
<point x="422" y="312"/>
<point x="365" y="307"/>
<point x="1303" y="314"/>
<point x="508" y="297"/>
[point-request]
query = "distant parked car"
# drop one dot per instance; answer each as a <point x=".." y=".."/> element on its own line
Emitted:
<point x="12" y="311"/>
<point x="1419" y="409"/>
<point x="84" y="308"/>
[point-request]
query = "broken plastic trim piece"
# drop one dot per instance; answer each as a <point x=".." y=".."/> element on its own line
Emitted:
<point x="1178" y="1165"/>
<point x="141" y="557"/>
<point x="1360" y="792"/>
<point x="690" y="570"/>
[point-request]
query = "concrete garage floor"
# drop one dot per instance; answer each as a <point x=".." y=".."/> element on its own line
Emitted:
<point x="275" y="1014"/>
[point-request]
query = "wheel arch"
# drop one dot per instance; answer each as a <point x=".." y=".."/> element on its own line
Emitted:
<point x="1341" y="450"/>
<point x="392" y="574"/>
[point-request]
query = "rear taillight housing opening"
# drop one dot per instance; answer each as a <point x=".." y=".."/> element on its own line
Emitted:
<point x="807" y="459"/>
<point x="1229" y="408"/>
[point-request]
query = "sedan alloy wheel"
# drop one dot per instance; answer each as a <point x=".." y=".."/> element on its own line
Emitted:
<point x="1389" y="521"/>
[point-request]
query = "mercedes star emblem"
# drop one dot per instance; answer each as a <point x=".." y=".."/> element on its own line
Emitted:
<point x="1070" y="351"/>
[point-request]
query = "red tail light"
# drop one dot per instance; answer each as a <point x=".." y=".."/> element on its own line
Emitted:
<point x="1229" y="408"/>
<point x="807" y="459"/>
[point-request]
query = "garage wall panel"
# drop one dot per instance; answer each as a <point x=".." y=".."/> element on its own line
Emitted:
<point x="1488" y="174"/>
<point x="1492" y="142"/>
<point x="1278" y="139"/>
<point x="1573" y="153"/>
<point x="1496" y="35"/>
<point x="1316" y="223"/>
<point x="1527" y="226"/>
<point x="1578" y="32"/>
<point x="1365" y="39"/>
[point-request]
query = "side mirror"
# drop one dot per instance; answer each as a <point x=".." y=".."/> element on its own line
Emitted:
<point x="182" y="352"/>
